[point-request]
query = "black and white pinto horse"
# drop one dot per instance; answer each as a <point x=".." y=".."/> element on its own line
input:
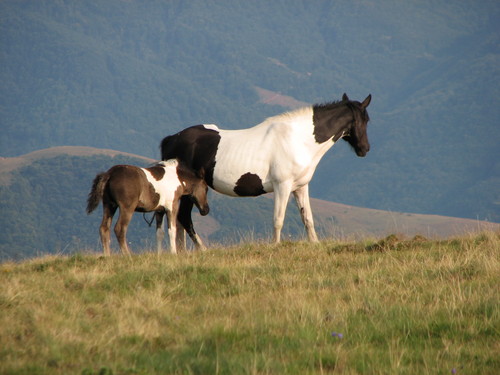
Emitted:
<point x="133" y="189"/>
<point x="279" y="155"/>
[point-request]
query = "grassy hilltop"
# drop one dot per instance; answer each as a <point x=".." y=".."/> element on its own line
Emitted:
<point x="394" y="306"/>
<point x="57" y="181"/>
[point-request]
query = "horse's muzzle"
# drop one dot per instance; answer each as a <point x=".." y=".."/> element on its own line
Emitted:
<point x="204" y="210"/>
<point x="361" y="152"/>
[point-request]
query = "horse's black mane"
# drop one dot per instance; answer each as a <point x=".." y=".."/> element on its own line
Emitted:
<point x="328" y="105"/>
<point x="354" y="106"/>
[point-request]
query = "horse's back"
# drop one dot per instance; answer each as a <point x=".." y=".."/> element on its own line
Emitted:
<point x="125" y="184"/>
<point x="274" y="151"/>
<point x="246" y="161"/>
<point x="194" y="146"/>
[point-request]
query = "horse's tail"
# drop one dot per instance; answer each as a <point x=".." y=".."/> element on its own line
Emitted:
<point x="97" y="191"/>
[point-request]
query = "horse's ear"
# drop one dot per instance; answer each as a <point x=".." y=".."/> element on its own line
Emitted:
<point x="345" y="98"/>
<point x="366" y="101"/>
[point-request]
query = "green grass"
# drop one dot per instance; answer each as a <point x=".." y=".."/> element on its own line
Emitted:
<point x="401" y="306"/>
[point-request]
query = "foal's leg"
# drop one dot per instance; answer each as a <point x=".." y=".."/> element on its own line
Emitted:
<point x="184" y="218"/>
<point x="160" y="232"/>
<point x="172" y="228"/>
<point x="302" y="198"/>
<point x="121" y="228"/>
<point x="281" y="195"/>
<point x="104" y="229"/>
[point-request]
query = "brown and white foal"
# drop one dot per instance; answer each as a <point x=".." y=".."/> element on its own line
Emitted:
<point x="133" y="189"/>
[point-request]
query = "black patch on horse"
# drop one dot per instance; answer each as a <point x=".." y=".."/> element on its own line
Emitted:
<point x="195" y="146"/>
<point x="330" y="120"/>
<point x="157" y="172"/>
<point x="249" y="185"/>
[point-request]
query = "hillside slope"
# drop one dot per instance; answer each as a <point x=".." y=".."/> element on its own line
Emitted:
<point x="43" y="198"/>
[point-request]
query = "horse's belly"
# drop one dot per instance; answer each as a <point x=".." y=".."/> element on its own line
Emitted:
<point x="253" y="163"/>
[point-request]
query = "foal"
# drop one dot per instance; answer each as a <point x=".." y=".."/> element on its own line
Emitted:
<point x="158" y="188"/>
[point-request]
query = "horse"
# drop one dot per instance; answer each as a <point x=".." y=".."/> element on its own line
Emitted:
<point x="133" y="189"/>
<point x="278" y="155"/>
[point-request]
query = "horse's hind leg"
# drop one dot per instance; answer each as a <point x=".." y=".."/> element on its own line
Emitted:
<point x="281" y="196"/>
<point x="104" y="229"/>
<point x="121" y="228"/>
<point x="302" y="198"/>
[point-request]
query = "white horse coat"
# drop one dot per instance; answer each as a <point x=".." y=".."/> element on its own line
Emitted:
<point x="278" y="155"/>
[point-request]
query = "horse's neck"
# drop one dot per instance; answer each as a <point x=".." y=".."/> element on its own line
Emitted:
<point x="331" y="125"/>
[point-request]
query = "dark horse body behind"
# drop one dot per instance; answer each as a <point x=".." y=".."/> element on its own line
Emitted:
<point x="278" y="155"/>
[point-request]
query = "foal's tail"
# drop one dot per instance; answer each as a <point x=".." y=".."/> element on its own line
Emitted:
<point x="97" y="191"/>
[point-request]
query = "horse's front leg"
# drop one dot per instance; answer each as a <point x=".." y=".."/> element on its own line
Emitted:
<point x="186" y="221"/>
<point x="160" y="232"/>
<point x="302" y="198"/>
<point x="172" y="228"/>
<point x="281" y="195"/>
<point x="180" y="238"/>
<point x="172" y="216"/>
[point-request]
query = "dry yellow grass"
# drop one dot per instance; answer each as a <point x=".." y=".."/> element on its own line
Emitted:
<point x="392" y="306"/>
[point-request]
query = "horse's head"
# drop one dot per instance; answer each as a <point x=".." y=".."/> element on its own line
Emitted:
<point x="356" y="134"/>
<point x="194" y="186"/>
<point x="199" y="196"/>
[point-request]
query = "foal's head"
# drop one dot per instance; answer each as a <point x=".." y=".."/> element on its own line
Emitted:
<point x="199" y="196"/>
<point x="194" y="186"/>
<point x="357" y="135"/>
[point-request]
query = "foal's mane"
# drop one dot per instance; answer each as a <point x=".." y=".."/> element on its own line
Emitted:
<point x="164" y="163"/>
<point x="186" y="173"/>
<point x="183" y="171"/>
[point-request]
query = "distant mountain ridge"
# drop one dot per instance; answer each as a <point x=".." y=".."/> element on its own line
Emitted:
<point x="44" y="195"/>
<point x="124" y="74"/>
<point x="10" y="164"/>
